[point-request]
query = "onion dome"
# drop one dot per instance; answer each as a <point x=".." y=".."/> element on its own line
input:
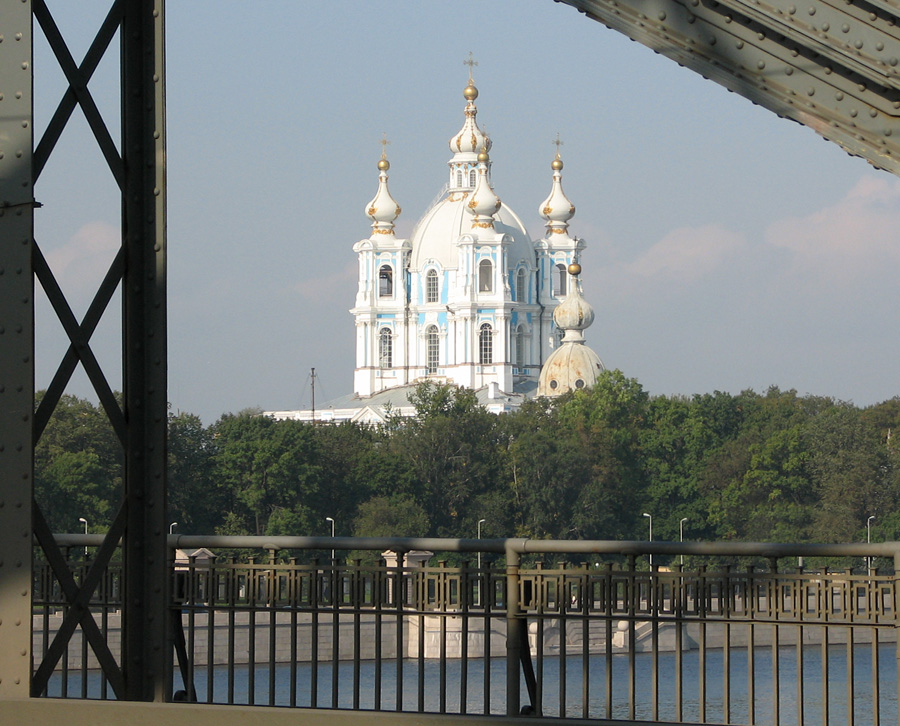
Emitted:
<point x="573" y="365"/>
<point x="383" y="210"/>
<point x="470" y="139"/>
<point x="484" y="204"/>
<point x="557" y="209"/>
<point x="574" y="314"/>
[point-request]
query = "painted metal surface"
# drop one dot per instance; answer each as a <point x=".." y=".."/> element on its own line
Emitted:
<point x="834" y="67"/>
<point x="147" y="644"/>
<point x="601" y="638"/>
<point x="16" y="346"/>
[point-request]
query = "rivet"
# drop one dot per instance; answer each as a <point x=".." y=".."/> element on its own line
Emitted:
<point x="879" y="46"/>
<point x="761" y="65"/>
<point x="845" y="28"/>
<point x="858" y="45"/>
<point x="662" y="15"/>
<point x="739" y="44"/>
<point x="812" y="10"/>
<point x="810" y="91"/>
<point x="839" y="96"/>
<point x="826" y="27"/>
<point x="789" y="71"/>
<point x="873" y="113"/>
<point x="792" y="9"/>
<point x="853" y="113"/>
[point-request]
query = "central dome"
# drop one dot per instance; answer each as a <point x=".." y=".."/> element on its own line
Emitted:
<point x="437" y="233"/>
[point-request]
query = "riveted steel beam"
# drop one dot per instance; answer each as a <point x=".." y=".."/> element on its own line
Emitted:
<point x="832" y="67"/>
<point x="147" y="660"/>
<point x="16" y="346"/>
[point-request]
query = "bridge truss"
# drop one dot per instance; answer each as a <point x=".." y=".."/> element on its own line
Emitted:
<point x="833" y="67"/>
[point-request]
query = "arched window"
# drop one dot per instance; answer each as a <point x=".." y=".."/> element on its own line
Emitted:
<point x="431" y="286"/>
<point x="385" y="281"/>
<point x="459" y="178"/>
<point x="485" y="345"/>
<point x="385" y="348"/>
<point x="520" y="347"/>
<point x="521" y="291"/>
<point x="472" y="178"/>
<point x="485" y="276"/>
<point x="432" y="349"/>
<point x="562" y="277"/>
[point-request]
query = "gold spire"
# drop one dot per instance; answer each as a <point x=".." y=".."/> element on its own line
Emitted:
<point x="383" y="163"/>
<point x="557" y="164"/>
<point x="470" y="93"/>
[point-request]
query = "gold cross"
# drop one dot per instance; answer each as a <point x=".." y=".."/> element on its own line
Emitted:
<point x="557" y="143"/>
<point x="384" y="144"/>
<point x="471" y="62"/>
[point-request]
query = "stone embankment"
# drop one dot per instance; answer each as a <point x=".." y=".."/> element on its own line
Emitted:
<point x="325" y="637"/>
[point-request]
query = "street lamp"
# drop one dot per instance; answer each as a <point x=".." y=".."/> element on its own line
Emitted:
<point x="681" y="535"/>
<point x="329" y="519"/>
<point x="172" y="527"/>
<point x="84" y="521"/>
<point x="480" y="522"/>
<point x="650" y="517"/>
<point x="869" y="538"/>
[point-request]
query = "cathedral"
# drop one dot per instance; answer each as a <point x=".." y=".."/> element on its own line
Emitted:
<point x="469" y="298"/>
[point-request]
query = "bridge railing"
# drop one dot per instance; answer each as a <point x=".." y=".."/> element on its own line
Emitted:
<point x="562" y="629"/>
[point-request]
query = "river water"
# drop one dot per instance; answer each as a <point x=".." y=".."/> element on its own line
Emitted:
<point x="572" y="703"/>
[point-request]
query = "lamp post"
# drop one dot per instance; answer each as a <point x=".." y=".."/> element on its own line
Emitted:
<point x="84" y="522"/>
<point x="681" y="535"/>
<point x="650" y="517"/>
<point x="329" y="519"/>
<point x="869" y="539"/>
<point x="172" y="527"/>
<point x="480" y="522"/>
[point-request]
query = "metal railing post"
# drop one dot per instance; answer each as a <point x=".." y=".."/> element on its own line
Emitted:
<point x="513" y="637"/>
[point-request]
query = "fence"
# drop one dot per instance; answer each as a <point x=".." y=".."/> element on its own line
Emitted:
<point x="586" y="630"/>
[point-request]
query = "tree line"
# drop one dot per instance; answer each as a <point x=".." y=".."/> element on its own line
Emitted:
<point x="772" y="466"/>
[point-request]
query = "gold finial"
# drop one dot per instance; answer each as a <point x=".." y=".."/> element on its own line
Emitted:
<point x="557" y="164"/>
<point x="483" y="157"/>
<point x="471" y="62"/>
<point x="383" y="163"/>
<point x="470" y="93"/>
<point x="574" y="269"/>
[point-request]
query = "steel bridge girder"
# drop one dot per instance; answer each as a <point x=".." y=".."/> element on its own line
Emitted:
<point x="834" y="68"/>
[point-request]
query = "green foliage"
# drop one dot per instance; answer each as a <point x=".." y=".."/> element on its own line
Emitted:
<point x="752" y="466"/>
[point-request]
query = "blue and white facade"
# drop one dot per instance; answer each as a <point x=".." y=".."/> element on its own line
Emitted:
<point x="469" y="297"/>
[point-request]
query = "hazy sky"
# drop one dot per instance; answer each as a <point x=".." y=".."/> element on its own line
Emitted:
<point x="727" y="248"/>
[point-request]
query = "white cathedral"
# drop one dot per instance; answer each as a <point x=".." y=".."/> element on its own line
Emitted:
<point x="469" y="298"/>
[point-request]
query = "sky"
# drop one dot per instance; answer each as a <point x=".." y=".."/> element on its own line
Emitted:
<point x="727" y="249"/>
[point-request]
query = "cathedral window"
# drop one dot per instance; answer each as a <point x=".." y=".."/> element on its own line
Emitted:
<point x="432" y="349"/>
<point x="472" y="178"/>
<point x="459" y="178"/>
<point x="385" y="348"/>
<point x="520" y="346"/>
<point x="521" y="292"/>
<point x="485" y="276"/>
<point x="431" y="286"/>
<point x="485" y="345"/>
<point x="562" y="277"/>
<point x="385" y="281"/>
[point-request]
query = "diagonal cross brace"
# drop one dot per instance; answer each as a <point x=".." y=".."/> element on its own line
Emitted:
<point x="77" y="92"/>
<point x="79" y="601"/>
<point x="79" y="336"/>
